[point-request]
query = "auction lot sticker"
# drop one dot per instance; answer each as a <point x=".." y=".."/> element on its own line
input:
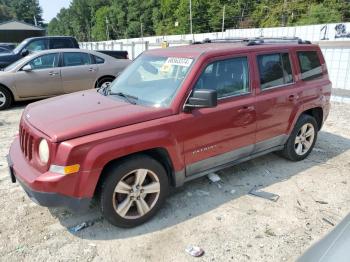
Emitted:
<point x="180" y="61"/>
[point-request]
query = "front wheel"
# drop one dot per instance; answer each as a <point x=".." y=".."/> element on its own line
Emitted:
<point x="302" y="139"/>
<point x="104" y="82"/>
<point x="5" y="98"/>
<point x="133" y="191"/>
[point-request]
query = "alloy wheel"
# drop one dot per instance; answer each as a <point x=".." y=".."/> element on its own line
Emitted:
<point x="2" y="99"/>
<point x="304" y="139"/>
<point x="136" y="194"/>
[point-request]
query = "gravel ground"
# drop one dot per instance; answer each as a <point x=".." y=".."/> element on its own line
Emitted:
<point x="227" y="222"/>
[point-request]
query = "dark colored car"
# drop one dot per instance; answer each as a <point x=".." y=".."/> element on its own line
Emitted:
<point x="9" y="46"/>
<point x="4" y="50"/>
<point x="36" y="44"/>
<point x="173" y="115"/>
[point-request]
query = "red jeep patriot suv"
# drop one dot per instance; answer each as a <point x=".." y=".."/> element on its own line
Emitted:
<point x="173" y="115"/>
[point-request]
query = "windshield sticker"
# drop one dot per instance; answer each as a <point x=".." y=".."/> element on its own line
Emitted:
<point x="180" y="61"/>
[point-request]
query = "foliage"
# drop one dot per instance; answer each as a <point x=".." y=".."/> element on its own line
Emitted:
<point x="22" y="10"/>
<point x="90" y="20"/>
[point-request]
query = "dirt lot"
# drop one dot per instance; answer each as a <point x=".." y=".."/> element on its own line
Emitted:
<point x="227" y="222"/>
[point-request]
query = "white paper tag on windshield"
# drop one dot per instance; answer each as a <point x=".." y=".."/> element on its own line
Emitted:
<point x="180" y="61"/>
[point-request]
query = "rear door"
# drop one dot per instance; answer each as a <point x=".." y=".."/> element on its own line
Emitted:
<point x="277" y="97"/>
<point x="43" y="80"/>
<point x="217" y="136"/>
<point x="78" y="71"/>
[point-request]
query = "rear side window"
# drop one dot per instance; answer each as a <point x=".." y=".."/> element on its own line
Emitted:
<point x="61" y="43"/>
<point x="275" y="70"/>
<point x="76" y="59"/>
<point x="310" y="65"/>
<point x="228" y="77"/>
<point x="99" y="60"/>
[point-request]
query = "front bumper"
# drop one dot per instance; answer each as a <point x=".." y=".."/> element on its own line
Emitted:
<point x="22" y="172"/>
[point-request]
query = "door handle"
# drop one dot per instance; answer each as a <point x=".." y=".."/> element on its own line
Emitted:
<point x="53" y="73"/>
<point x="293" y="97"/>
<point x="92" y="69"/>
<point x="246" y="109"/>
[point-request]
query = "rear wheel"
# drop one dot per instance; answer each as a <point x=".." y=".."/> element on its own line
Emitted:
<point x="302" y="139"/>
<point x="104" y="82"/>
<point x="5" y="98"/>
<point x="133" y="191"/>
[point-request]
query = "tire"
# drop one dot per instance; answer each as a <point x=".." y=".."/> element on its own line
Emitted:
<point x="103" y="81"/>
<point x="297" y="149"/>
<point x="124" y="208"/>
<point x="5" y="98"/>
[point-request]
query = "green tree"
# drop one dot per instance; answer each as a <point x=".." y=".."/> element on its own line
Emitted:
<point x="320" y="14"/>
<point x="5" y="13"/>
<point x="27" y="11"/>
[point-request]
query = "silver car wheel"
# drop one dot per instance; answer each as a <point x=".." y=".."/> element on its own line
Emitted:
<point x="106" y="84"/>
<point x="2" y="99"/>
<point x="136" y="194"/>
<point x="304" y="139"/>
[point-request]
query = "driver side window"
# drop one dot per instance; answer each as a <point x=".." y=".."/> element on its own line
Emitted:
<point x="37" y="45"/>
<point x="45" y="61"/>
<point x="228" y="77"/>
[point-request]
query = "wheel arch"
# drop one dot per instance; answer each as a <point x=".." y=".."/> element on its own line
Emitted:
<point x="159" y="154"/>
<point x="102" y="77"/>
<point x="317" y="113"/>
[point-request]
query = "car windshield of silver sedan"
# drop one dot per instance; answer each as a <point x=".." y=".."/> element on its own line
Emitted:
<point x="151" y="80"/>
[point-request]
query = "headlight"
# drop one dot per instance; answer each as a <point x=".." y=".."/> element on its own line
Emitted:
<point x="44" y="151"/>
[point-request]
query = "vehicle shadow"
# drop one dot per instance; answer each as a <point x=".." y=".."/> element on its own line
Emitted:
<point x="200" y="196"/>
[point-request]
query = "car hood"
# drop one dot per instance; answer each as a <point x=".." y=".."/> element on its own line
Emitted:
<point x="82" y="113"/>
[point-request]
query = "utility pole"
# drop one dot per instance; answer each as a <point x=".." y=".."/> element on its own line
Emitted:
<point x="191" y="18"/>
<point x="107" y="29"/>
<point x="284" y="13"/>
<point x="223" y="21"/>
<point x="141" y="29"/>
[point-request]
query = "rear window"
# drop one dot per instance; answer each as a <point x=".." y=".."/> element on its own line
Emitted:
<point x="99" y="60"/>
<point x="275" y="70"/>
<point x="61" y="43"/>
<point x="310" y="65"/>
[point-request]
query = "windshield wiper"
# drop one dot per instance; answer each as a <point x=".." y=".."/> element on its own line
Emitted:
<point x="126" y="96"/>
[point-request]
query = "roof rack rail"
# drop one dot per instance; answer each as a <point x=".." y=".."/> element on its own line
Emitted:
<point x="255" y="40"/>
<point x="276" y="40"/>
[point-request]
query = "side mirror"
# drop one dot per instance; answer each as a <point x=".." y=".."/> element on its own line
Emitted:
<point x="27" y="68"/>
<point x="24" y="52"/>
<point x="202" y="98"/>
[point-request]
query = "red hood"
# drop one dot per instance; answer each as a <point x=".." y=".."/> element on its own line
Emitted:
<point x="83" y="113"/>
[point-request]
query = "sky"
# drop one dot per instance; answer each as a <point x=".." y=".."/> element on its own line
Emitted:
<point x="52" y="7"/>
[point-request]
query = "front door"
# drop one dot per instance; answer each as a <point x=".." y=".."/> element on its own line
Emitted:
<point x="220" y="135"/>
<point x="78" y="72"/>
<point x="44" y="78"/>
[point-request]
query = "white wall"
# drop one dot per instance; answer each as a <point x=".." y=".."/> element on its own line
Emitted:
<point x="337" y="57"/>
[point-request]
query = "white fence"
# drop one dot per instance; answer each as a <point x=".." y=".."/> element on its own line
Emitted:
<point x="334" y="40"/>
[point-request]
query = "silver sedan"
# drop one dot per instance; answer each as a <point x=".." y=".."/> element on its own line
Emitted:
<point x="55" y="72"/>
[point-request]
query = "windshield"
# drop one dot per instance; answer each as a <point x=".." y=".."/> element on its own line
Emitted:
<point x="20" y="46"/>
<point x="152" y="80"/>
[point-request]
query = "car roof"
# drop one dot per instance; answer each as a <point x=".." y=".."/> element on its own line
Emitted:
<point x="51" y="37"/>
<point x="213" y="49"/>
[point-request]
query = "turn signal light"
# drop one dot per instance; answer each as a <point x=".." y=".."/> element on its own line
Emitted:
<point x="65" y="170"/>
